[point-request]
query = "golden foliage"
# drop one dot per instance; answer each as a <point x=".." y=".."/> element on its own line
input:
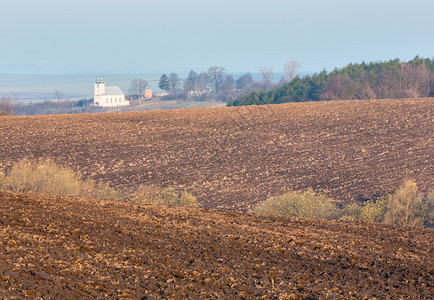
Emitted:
<point x="305" y="204"/>
<point x="403" y="205"/>
<point x="47" y="177"/>
<point x="374" y="211"/>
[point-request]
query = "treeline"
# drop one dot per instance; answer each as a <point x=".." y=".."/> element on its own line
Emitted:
<point x="214" y="84"/>
<point x="218" y="85"/>
<point x="374" y="80"/>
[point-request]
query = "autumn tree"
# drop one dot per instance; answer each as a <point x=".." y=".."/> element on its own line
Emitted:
<point x="404" y="205"/>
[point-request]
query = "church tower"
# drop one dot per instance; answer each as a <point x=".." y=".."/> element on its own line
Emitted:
<point x="99" y="87"/>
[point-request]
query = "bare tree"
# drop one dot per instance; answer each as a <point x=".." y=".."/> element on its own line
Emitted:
<point x="386" y="84"/>
<point x="290" y="69"/>
<point x="267" y="74"/>
<point x="190" y="84"/>
<point x="244" y="82"/>
<point x="59" y="95"/>
<point x="202" y="81"/>
<point x="138" y="87"/>
<point x="216" y="76"/>
<point x="174" y="81"/>
<point x="414" y="81"/>
<point x="6" y="107"/>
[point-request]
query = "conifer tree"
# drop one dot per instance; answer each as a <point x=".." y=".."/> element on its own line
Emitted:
<point x="164" y="83"/>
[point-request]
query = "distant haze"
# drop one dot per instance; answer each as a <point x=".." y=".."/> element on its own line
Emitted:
<point x="156" y="36"/>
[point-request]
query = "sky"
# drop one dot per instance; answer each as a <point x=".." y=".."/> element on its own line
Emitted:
<point x="162" y="36"/>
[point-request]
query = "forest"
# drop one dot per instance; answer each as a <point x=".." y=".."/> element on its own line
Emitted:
<point x="373" y="80"/>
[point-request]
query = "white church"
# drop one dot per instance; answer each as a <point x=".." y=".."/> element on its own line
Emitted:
<point x="108" y="96"/>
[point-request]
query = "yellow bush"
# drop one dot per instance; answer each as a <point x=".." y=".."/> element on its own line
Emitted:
<point x="427" y="210"/>
<point x="46" y="177"/>
<point x="104" y="191"/>
<point x="147" y="193"/>
<point x="299" y="204"/>
<point x="351" y="212"/>
<point x="2" y="178"/>
<point x="403" y="207"/>
<point x="168" y="196"/>
<point x="374" y="211"/>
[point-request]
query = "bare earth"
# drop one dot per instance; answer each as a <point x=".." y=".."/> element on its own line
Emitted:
<point x="69" y="248"/>
<point x="233" y="158"/>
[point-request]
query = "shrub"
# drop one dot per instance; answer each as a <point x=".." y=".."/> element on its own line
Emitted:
<point x="351" y="212"/>
<point x="2" y="178"/>
<point x="46" y="177"/>
<point x="427" y="210"/>
<point x="168" y="196"/>
<point x="374" y="210"/>
<point x="104" y="191"/>
<point x="299" y="204"/>
<point x="147" y="193"/>
<point x="404" y="206"/>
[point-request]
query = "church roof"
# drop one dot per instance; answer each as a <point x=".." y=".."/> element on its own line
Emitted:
<point x="113" y="90"/>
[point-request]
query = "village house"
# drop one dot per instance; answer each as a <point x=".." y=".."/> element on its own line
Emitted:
<point x="108" y="96"/>
<point x="147" y="94"/>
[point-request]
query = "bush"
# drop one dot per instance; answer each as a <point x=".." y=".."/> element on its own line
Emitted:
<point x="104" y="191"/>
<point x="351" y="212"/>
<point x="168" y="196"/>
<point x="427" y="210"/>
<point x="404" y="206"/>
<point x="299" y="204"/>
<point x="2" y="178"/>
<point x="374" y="211"/>
<point x="46" y="177"/>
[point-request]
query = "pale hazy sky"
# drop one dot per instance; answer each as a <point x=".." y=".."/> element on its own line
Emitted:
<point x="154" y="36"/>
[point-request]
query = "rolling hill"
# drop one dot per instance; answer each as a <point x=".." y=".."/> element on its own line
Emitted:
<point x="234" y="157"/>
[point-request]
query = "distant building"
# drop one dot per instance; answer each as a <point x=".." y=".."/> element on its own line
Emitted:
<point x="147" y="94"/>
<point x="108" y="96"/>
<point x="161" y="94"/>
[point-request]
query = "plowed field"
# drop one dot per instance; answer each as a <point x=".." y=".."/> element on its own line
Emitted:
<point x="68" y="248"/>
<point x="234" y="157"/>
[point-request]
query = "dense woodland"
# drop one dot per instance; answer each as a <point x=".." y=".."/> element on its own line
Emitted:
<point x="374" y="80"/>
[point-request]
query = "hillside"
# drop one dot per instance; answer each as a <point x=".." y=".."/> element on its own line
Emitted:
<point x="55" y="247"/>
<point x="237" y="156"/>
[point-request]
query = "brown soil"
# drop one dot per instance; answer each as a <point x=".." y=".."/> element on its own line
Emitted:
<point x="235" y="157"/>
<point x="68" y="248"/>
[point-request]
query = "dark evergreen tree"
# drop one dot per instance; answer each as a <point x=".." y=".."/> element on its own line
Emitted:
<point x="164" y="83"/>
